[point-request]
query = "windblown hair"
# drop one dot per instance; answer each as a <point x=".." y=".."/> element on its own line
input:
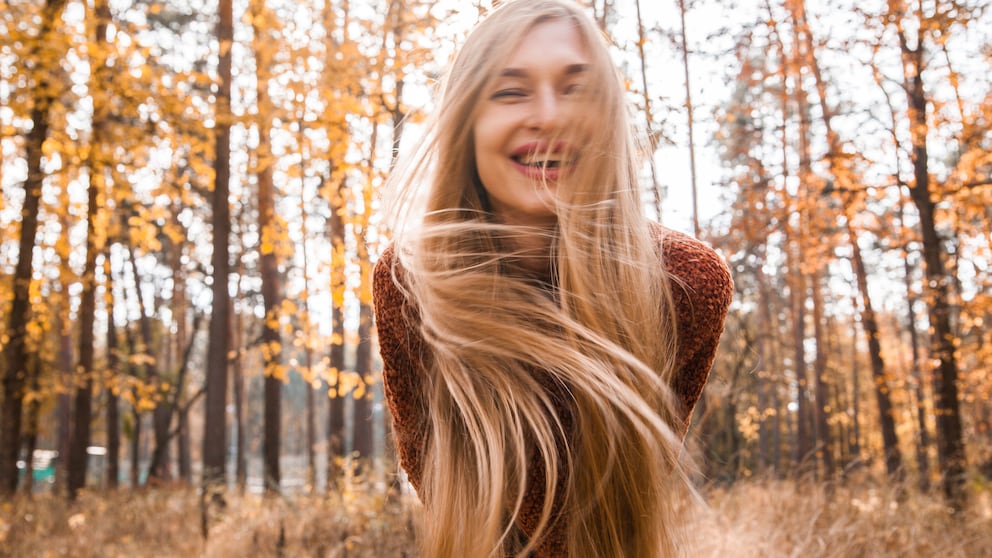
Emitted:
<point x="508" y="353"/>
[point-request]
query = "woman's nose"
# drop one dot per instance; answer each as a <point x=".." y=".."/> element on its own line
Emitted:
<point x="546" y="110"/>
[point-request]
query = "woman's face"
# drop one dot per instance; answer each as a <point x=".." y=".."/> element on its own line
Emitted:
<point x="525" y="129"/>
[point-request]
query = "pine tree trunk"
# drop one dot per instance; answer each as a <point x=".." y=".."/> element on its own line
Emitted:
<point x="335" y="407"/>
<point x="854" y="439"/>
<point x="15" y="371"/>
<point x="158" y="468"/>
<point x="923" y="433"/>
<point x="804" y="446"/>
<point x="762" y="374"/>
<point x="215" y="420"/>
<point x="950" y="440"/>
<point x="65" y="398"/>
<point x="690" y="118"/>
<point x="240" y="459"/>
<point x="648" y="112"/>
<point x="87" y="307"/>
<point x="33" y="416"/>
<point x="185" y="455"/>
<point x="821" y="424"/>
<point x="362" y="412"/>
<point x="268" y="263"/>
<point x="113" y="404"/>
<point x="886" y="412"/>
<point x="136" y="418"/>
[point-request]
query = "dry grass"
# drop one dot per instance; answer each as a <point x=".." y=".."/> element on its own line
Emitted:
<point x="167" y="523"/>
<point x="766" y="519"/>
<point x="792" y="519"/>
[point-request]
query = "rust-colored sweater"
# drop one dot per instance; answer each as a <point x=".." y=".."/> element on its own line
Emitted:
<point x="702" y="296"/>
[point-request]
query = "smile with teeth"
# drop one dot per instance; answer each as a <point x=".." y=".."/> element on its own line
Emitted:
<point x="537" y="160"/>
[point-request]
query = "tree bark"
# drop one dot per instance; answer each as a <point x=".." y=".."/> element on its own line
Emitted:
<point x="65" y="360"/>
<point x="690" y="119"/>
<point x="16" y="375"/>
<point x="648" y="112"/>
<point x="215" y="420"/>
<point x="308" y="376"/>
<point x="362" y="434"/>
<point x="922" y="444"/>
<point x="113" y="405"/>
<point x="336" y="411"/>
<point x="854" y="439"/>
<point x="886" y="412"/>
<point x="950" y="439"/>
<point x="238" y="389"/>
<point x="34" y="413"/>
<point x="268" y="262"/>
<point x="821" y="424"/>
<point x="95" y="240"/>
<point x="158" y="468"/>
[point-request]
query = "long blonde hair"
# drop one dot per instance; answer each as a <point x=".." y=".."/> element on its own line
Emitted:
<point x="571" y="373"/>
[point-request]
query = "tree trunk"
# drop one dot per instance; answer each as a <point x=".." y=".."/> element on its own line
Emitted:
<point x="821" y="425"/>
<point x="181" y="343"/>
<point x="690" y="119"/>
<point x="185" y="456"/>
<point x="34" y="412"/>
<point x="336" y="411"/>
<point x="136" y="418"/>
<point x="310" y="381"/>
<point x="65" y="397"/>
<point x="886" y="412"/>
<point x="136" y="448"/>
<point x="923" y="433"/>
<point x="268" y="263"/>
<point x="215" y="420"/>
<point x="158" y="468"/>
<point x="804" y="447"/>
<point x="241" y="465"/>
<point x="854" y="441"/>
<point x="648" y="112"/>
<point x="15" y="372"/>
<point x="97" y="163"/>
<point x="950" y="440"/>
<point x="763" y="373"/>
<point x="113" y="405"/>
<point x="362" y="413"/>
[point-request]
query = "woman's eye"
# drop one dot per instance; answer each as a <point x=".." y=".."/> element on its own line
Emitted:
<point x="573" y="88"/>
<point x="508" y="94"/>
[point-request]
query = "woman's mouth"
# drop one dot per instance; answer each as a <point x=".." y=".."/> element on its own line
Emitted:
<point x="542" y="162"/>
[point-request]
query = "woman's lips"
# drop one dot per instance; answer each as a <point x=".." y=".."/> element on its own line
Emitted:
<point x="540" y="172"/>
<point x="542" y="161"/>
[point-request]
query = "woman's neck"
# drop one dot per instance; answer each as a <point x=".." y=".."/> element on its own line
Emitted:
<point x="531" y="246"/>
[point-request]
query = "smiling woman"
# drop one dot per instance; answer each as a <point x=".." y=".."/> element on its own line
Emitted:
<point x="530" y="102"/>
<point x="543" y="343"/>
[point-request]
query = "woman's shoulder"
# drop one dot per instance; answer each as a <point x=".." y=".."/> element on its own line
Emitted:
<point x="387" y="275"/>
<point x="701" y="281"/>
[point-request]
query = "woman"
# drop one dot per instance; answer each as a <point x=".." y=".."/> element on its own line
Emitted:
<point x="543" y="343"/>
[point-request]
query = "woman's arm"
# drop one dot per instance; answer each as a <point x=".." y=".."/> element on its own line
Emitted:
<point x="402" y="366"/>
<point x="702" y="293"/>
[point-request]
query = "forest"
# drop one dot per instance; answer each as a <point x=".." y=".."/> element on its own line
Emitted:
<point x="192" y="206"/>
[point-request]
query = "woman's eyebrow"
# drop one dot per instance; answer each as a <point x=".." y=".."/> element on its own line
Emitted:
<point x="513" y="73"/>
<point x="571" y="69"/>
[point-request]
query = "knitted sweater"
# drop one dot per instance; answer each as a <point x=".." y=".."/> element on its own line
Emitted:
<point x="701" y="293"/>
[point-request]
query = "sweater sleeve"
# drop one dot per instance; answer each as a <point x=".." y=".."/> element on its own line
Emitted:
<point x="702" y="290"/>
<point x="402" y="366"/>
